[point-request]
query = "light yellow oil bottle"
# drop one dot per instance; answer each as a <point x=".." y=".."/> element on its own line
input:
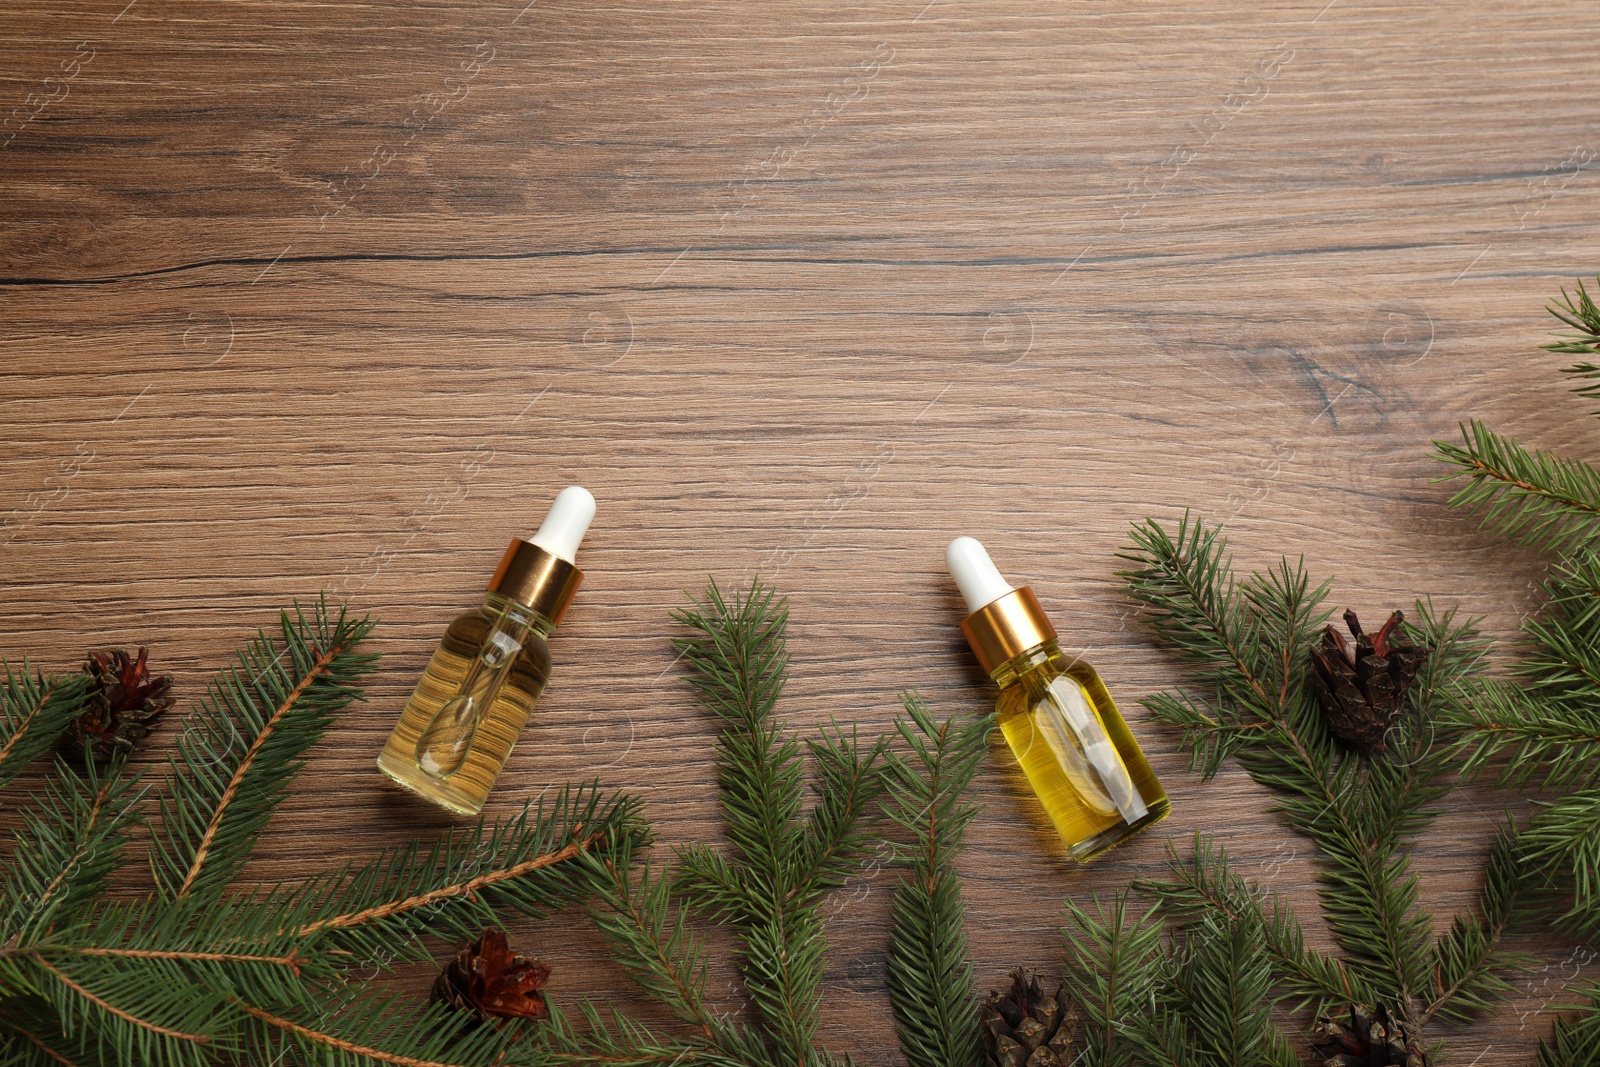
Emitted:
<point x="480" y="686"/>
<point x="1072" y="743"/>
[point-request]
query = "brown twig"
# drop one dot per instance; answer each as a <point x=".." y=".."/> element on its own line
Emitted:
<point x="1477" y="468"/>
<point x="22" y="727"/>
<point x="382" y="911"/>
<point x="290" y="961"/>
<point x="335" y="1042"/>
<point x="316" y="670"/>
<point x="198" y="1039"/>
<point x="620" y="883"/>
<point x="100" y="801"/>
<point x="46" y="1049"/>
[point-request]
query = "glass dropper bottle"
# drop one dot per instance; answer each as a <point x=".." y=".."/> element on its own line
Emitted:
<point x="1075" y="749"/>
<point x="478" y="690"/>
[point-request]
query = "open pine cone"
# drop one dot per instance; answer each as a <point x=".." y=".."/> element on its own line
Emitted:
<point x="1378" y="1039"/>
<point x="1025" y="1028"/>
<point x="124" y="707"/>
<point x="487" y="980"/>
<point x="1363" y="688"/>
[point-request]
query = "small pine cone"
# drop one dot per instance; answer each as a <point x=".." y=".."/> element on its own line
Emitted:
<point x="1360" y="1039"/>
<point x="1026" y="1028"/>
<point x="124" y="705"/>
<point x="1362" y="689"/>
<point x="488" y="981"/>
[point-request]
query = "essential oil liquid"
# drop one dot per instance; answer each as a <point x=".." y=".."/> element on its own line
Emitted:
<point x="1047" y="703"/>
<point x="472" y="703"/>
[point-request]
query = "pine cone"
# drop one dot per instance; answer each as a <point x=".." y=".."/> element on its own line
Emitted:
<point x="124" y="707"/>
<point x="1362" y="1040"/>
<point x="1363" y="689"/>
<point x="488" y="981"/>
<point x="1025" y="1028"/>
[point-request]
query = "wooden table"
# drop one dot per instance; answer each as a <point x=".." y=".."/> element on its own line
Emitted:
<point x="306" y="297"/>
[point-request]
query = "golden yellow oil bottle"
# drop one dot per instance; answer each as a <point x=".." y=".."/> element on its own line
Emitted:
<point x="1056" y="714"/>
<point x="479" y="688"/>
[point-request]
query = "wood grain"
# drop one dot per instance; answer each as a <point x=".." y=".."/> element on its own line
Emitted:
<point x="334" y="296"/>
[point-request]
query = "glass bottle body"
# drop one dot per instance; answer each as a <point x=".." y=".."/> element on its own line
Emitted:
<point x="474" y="698"/>
<point x="1078" y="754"/>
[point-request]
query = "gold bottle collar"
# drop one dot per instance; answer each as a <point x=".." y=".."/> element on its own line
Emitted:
<point x="1005" y="628"/>
<point x="536" y="578"/>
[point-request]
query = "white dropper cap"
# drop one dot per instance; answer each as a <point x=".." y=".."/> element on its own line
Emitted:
<point x="563" y="528"/>
<point x="975" y="573"/>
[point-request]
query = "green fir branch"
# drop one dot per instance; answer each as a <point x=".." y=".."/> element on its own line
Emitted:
<point x="1562" y="842"/>
<point x="241" y="747"/>
<point x="1456" y="657"/>
<point x="1534" y="497"/>
<point x="1213" y="1005"/>
<point x="193" y="974"/>
<point x="69" y="844"/>
<point x="1469" y="964"/>
<point x="373" y="1031"/>
<point x="707" y="877"/>
<point x="29" y="1037"/>
<point x="611" y="1039"/>
<point x="133" y="1011"/>
<point x="849" y="779"/>
<point x="1185" y="581"/>
<point x="1534" y="738"/>
<point x="738" y="667"/>
<point x="1575" y="1041"/>
<point x="1251" y="697"/>
<point x="1563" y="659"/>
<point x="120" y="982"/>
<point x="1249" y="643"/>
<point x="1591" y="373"/>
<point x="1372" y="905"/>
<point x="649" y="935"/>
<point x="1210" y="740"/>
<point x="211" y="943"/>
<point x="1207" y="885"/>
<point x="34" y="711"/>
<point x="1114" y="966"/>
<point x="532" y="863"/>
<point x="930" y="978"/>
<point x="783" y="965"/>
<point x="783" y="863"/>
<point x="1545" y="724"/>
<point x="1582" y="317"/>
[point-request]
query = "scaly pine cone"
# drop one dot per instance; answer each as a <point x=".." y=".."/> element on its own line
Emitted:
<point x="1363" y="689"/>
<point x="1025" y="1028"/>
<point x="1363" y="1040"/>
<point x="124" y="707"/>
<point x="488" y="981"/>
